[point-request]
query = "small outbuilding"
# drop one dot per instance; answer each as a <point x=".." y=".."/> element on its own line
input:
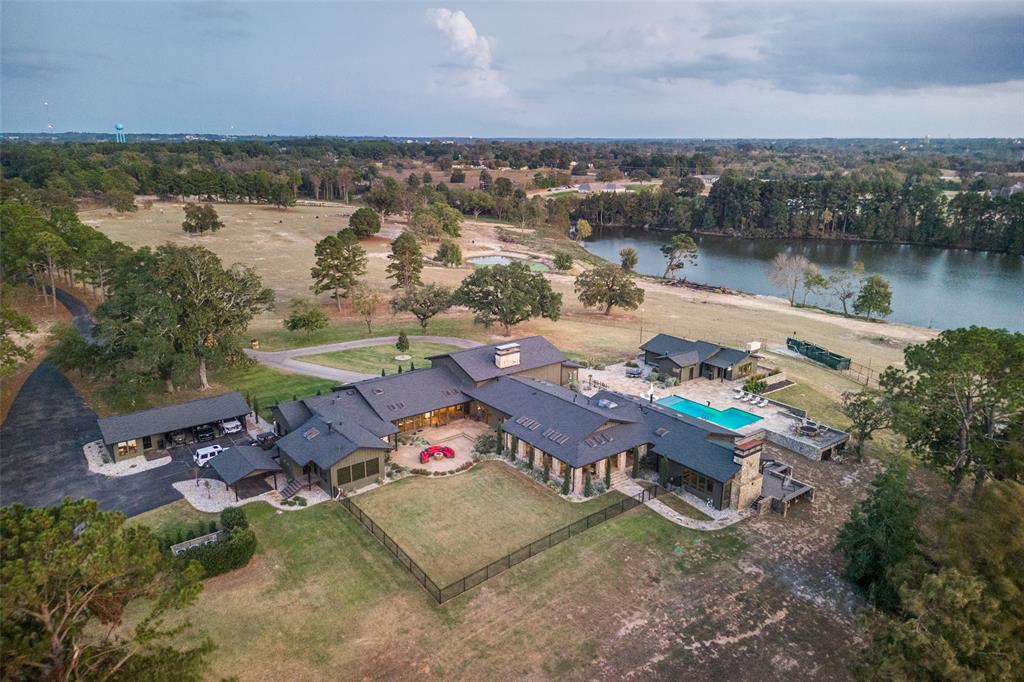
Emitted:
<point x="245" y="466"/>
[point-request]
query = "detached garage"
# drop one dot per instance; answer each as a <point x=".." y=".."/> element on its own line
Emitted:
<point x="135" y="433"/>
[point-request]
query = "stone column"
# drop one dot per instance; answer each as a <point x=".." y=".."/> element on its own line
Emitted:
<point x="538" y="458"/>
<point x="601" y="464"/>
<point x="577" y="482"/>
<point x="620" y="462"/>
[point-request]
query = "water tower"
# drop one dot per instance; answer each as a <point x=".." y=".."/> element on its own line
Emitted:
<point x="119" y="132"/>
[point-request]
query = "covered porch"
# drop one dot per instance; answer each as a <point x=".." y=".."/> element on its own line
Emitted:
<point x="246" y="470"/>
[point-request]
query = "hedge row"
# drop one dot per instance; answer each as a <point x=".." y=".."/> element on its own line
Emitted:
<point x="225" y="555"/>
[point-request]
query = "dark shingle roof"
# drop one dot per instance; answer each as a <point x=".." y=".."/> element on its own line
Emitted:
<point x="694" y="443"/>
<point x="316" y="441"/>
<point x="478" y="362"/>
<point x="570" y="426"/>
<point x="402" y="395"/>
<point x="684" y="352"/>
<point x="727" y="357"/>
<point x="346" y="406"/>
<point x="293" y="413"/>
<point x="172" y="417"/>
<point x="240" y="461"/>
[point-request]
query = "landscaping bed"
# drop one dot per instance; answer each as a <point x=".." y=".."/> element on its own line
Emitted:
<point x="372" y="359"/>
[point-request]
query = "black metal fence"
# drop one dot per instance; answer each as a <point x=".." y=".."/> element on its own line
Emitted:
<point x="471" y="580"/>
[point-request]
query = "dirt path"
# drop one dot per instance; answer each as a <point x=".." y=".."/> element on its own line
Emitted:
<point x="285" y="360"/>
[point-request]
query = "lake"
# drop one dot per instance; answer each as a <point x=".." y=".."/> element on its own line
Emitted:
<point x="932" y="287"/>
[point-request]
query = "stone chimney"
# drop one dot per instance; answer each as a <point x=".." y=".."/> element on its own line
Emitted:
<point x="746" y="485"/>
<point x="506" y="355"/>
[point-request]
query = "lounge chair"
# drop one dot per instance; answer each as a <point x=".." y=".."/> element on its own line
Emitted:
<point x="745" y="397"/>
<point x="763" y="402"/>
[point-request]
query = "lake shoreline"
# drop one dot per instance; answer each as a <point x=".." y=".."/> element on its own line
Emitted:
<point x="625" y="230"/>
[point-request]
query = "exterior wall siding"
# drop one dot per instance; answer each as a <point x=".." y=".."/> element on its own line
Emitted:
<point x="360" y="455"/>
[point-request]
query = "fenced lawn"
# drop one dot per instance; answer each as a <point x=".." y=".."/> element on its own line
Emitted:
<point x="454" y="525"/>
<point x="373" y="359"/>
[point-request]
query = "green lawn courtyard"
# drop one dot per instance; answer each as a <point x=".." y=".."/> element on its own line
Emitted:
<point x="372" y="359"/>
<point x="455" y="525"/>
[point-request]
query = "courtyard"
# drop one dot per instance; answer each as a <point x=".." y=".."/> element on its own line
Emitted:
<point x="459" y="435"/>
<point x="454" y="525"/>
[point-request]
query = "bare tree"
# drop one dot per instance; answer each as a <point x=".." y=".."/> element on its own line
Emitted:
<point x="787" y="271"/>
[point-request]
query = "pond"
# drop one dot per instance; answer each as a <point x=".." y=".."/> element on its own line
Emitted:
<point x="484" y="261"/>
<point x="932" y="287"/>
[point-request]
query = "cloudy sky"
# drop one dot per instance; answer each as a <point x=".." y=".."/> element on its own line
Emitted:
<point x="681" y="69"/>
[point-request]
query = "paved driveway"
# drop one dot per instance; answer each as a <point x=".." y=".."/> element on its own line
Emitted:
<point x="41" y="457"/>
<point x="285" y="360"/>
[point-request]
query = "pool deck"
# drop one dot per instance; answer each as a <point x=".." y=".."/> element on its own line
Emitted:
<point x="774" y="418"/>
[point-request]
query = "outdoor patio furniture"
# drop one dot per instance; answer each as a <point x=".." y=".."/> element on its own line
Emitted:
<point x="447" y="452"/>
<point x="763" y="402"/>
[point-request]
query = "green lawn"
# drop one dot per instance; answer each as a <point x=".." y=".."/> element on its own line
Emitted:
<point x="818" y="405"/>
<point x="374" y="358"/>
<point x="452" y="526"/>
<point x="166" y="521"/>
<point x="268" y="386"/>
<point x="280" y="339"/>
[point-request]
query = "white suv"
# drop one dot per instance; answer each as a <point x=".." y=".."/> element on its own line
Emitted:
<point x="204" y="455"/>
<point x="231" y="426"/>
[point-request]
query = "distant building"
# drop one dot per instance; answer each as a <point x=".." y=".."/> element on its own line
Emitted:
<point x="708" y="180"/>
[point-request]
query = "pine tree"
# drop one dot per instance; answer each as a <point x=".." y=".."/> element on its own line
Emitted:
<point x="588" y="486"/>
<point x="608" y="473"/>
<point x="566" y="481"/>
<point x="403" y="342"/>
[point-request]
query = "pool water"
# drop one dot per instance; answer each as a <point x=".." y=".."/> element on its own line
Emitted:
<point x="505" y="260"/>
<point x="732" y="418"/>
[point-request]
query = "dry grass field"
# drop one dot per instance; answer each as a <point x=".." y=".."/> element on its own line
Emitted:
<point x="279" y="244"/>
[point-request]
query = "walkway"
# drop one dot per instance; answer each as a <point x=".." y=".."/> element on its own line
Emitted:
<point x="721" y="518"/>
<point x="285" y="360"/>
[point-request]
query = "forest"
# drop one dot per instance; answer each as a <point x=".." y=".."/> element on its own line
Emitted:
<point x="861" y="190"/>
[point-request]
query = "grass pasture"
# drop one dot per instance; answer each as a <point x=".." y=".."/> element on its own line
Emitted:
<point x="374" y="358"/>
<point x="454" y="525"/>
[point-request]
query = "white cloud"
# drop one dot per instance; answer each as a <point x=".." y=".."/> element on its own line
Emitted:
<point x="473" y="71"/>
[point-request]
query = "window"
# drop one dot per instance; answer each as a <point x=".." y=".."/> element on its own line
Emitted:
<point x="358" y="471"/>
<point x="691" y="479"/>
<point x="372" y="467"/>
<point x="344" y="475"/>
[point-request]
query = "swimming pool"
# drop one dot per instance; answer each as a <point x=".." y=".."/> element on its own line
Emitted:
<point x="733" y="418"/>
<point x="505" y="260"/>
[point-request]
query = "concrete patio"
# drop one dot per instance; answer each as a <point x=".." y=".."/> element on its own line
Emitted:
<point x="778" y="419"/>
<point x="459" y="435"/>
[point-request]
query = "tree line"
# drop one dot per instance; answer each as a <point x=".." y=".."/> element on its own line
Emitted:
<point x="875" y="208"/>
<point x="946" y="588"/>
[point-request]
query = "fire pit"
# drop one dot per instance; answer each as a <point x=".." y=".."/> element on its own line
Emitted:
<point x="809" y="430"/>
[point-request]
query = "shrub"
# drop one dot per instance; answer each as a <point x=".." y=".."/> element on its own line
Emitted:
<point x="547" y="469"/>
<point x="231" y="552"/>
<point x="588" y="486"/>
<point x="232" y="518"/>
<point x="755" y="386"/>
<point x="212" y="527"/>
<point x="599" y="488"/>
<point x="565" y="482"/>
<point x="631" y="363"/>
<point x="608" y="474"/>
<point x="299" y="500"/>
<point x="402" y="345"/>
<point x="485" y="444"/>
<point x="563" y="262"/>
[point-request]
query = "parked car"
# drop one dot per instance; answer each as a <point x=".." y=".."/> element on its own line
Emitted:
<point x="634" y="372"/>
<point x="204" y="455"/>
<point x="205" y="432"/>
<point x="266" y="439"/>
<point x="231" y="426"/>
<point x="179" y="437"/>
